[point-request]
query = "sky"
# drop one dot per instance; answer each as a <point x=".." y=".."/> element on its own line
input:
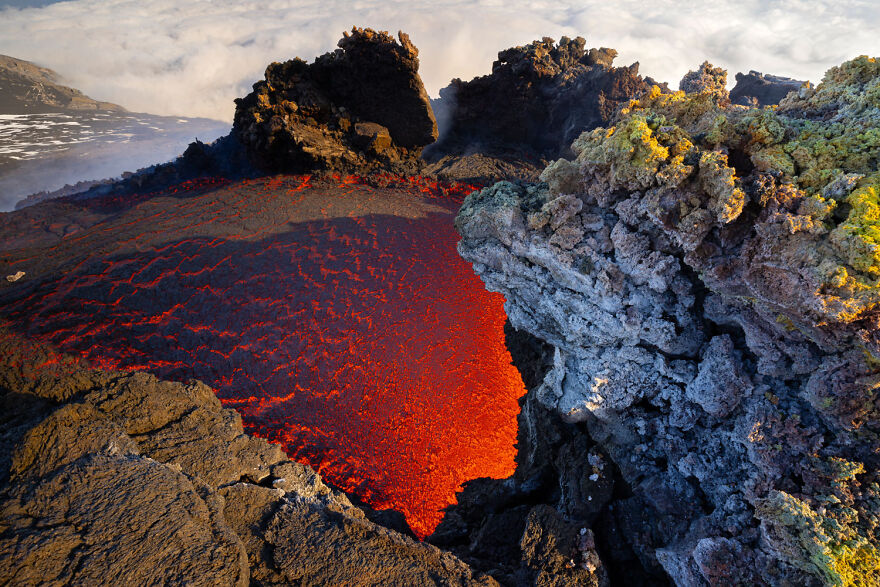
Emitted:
<point x="193" y="58"/>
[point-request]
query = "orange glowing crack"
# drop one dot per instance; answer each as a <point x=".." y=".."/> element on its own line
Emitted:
<point x="359" y="339"/>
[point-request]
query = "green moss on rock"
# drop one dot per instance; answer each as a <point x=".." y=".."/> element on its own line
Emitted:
<point x="819" y="544"/>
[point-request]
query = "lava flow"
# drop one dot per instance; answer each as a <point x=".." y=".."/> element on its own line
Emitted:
<point x="336" y="317"/>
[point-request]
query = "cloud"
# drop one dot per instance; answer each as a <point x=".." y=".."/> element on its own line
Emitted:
<point x="193" y="58"/>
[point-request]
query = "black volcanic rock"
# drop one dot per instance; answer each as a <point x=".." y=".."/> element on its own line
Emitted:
<point x="765" y="90"/>
<point x="537" y="100"/>
<point x="360" y="108"/>
<point x="26" y="88"/>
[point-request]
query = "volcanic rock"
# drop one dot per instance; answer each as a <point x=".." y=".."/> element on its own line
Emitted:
<point x="706" y="79"/>
<point x="537" y="100"/>
<point x="707" y="276"/>
<point x="361" y="108"/>
<point x="756" y="88"/>
<point x="148" y="481"/>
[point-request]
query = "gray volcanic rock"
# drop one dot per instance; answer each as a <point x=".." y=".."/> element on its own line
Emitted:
<point x="714" y="318"/>
<point x="26" y="88"/>
<point x="151" y="482"/>
<point x="361" y="108"/>
<point x="537" y="100"/>
<point x="756" y="88"/>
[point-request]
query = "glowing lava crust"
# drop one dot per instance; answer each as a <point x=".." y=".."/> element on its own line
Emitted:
<point x="335" y="316"/>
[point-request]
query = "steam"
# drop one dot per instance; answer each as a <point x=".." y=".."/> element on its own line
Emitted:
<point x="194" y="58"/>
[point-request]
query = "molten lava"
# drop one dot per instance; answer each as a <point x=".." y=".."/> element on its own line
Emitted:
<point x="336" y="317"/>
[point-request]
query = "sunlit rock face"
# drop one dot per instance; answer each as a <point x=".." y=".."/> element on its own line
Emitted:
<point x="708" y="276"/>
<point x="335" y="316"/>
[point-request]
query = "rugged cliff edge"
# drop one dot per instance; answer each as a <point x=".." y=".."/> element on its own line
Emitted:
<point x="708" y="277"/>
<point x="702" y="281"/>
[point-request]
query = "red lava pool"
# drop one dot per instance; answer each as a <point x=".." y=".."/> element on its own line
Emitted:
<point x="336" y="317"/>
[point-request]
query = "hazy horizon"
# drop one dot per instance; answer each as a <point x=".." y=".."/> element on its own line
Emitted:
<point x="193" y="59"/>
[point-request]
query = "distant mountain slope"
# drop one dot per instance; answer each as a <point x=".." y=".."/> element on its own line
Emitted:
<point x="26" y="88"/>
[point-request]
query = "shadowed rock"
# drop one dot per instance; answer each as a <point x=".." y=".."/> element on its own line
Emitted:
<point x="708" y="276"/>
<point x="538" y="98"/>
<point x="756" y="88"/>
<point x="360" y="108"/>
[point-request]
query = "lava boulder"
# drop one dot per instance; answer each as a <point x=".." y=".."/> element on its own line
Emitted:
<point x="359" y="109"/>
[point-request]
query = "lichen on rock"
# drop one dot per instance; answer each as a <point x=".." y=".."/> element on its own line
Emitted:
<point x="708" y="275"/>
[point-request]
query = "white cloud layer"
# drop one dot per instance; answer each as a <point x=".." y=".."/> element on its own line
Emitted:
<point x="193" y="58"/>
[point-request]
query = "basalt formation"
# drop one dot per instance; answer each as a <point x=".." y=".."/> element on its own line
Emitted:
<point x="115" y="474"/>
<point x="707" y="276"/>
<point x="537" y="100"/>
<point x="757" y="89"/>
<point x="359" y="109"/>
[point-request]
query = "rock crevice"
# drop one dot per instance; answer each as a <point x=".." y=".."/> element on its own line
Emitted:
<point x="707" y="276"/>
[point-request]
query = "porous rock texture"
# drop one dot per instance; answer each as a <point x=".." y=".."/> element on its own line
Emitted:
<point x="359" y="109"/>
<point x="123" y="477"/>
<point x="537" y="100"/>
<point x="709" y="278"/>
<point x="534" y="528"/>
<point x="707" y="79"/>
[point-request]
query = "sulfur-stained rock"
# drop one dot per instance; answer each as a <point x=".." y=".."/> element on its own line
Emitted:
<point x="708" y="275"/>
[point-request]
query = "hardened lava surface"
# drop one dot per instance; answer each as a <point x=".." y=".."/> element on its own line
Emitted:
<point x="335" y="316"/>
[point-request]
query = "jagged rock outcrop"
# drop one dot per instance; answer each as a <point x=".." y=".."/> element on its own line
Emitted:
<point x="563" y="480"/>
<point x="758" y="89"/>
<point x="707" y="79"/>
<point x="708" y="276"/>
<point x="359" y="109"/>
<point x="26" y="88"/>
<point x="109" y="474"/>
<point x="537" y="100"/>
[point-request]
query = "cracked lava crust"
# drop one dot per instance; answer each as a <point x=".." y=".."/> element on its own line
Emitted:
<point x="335" y="316"/>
